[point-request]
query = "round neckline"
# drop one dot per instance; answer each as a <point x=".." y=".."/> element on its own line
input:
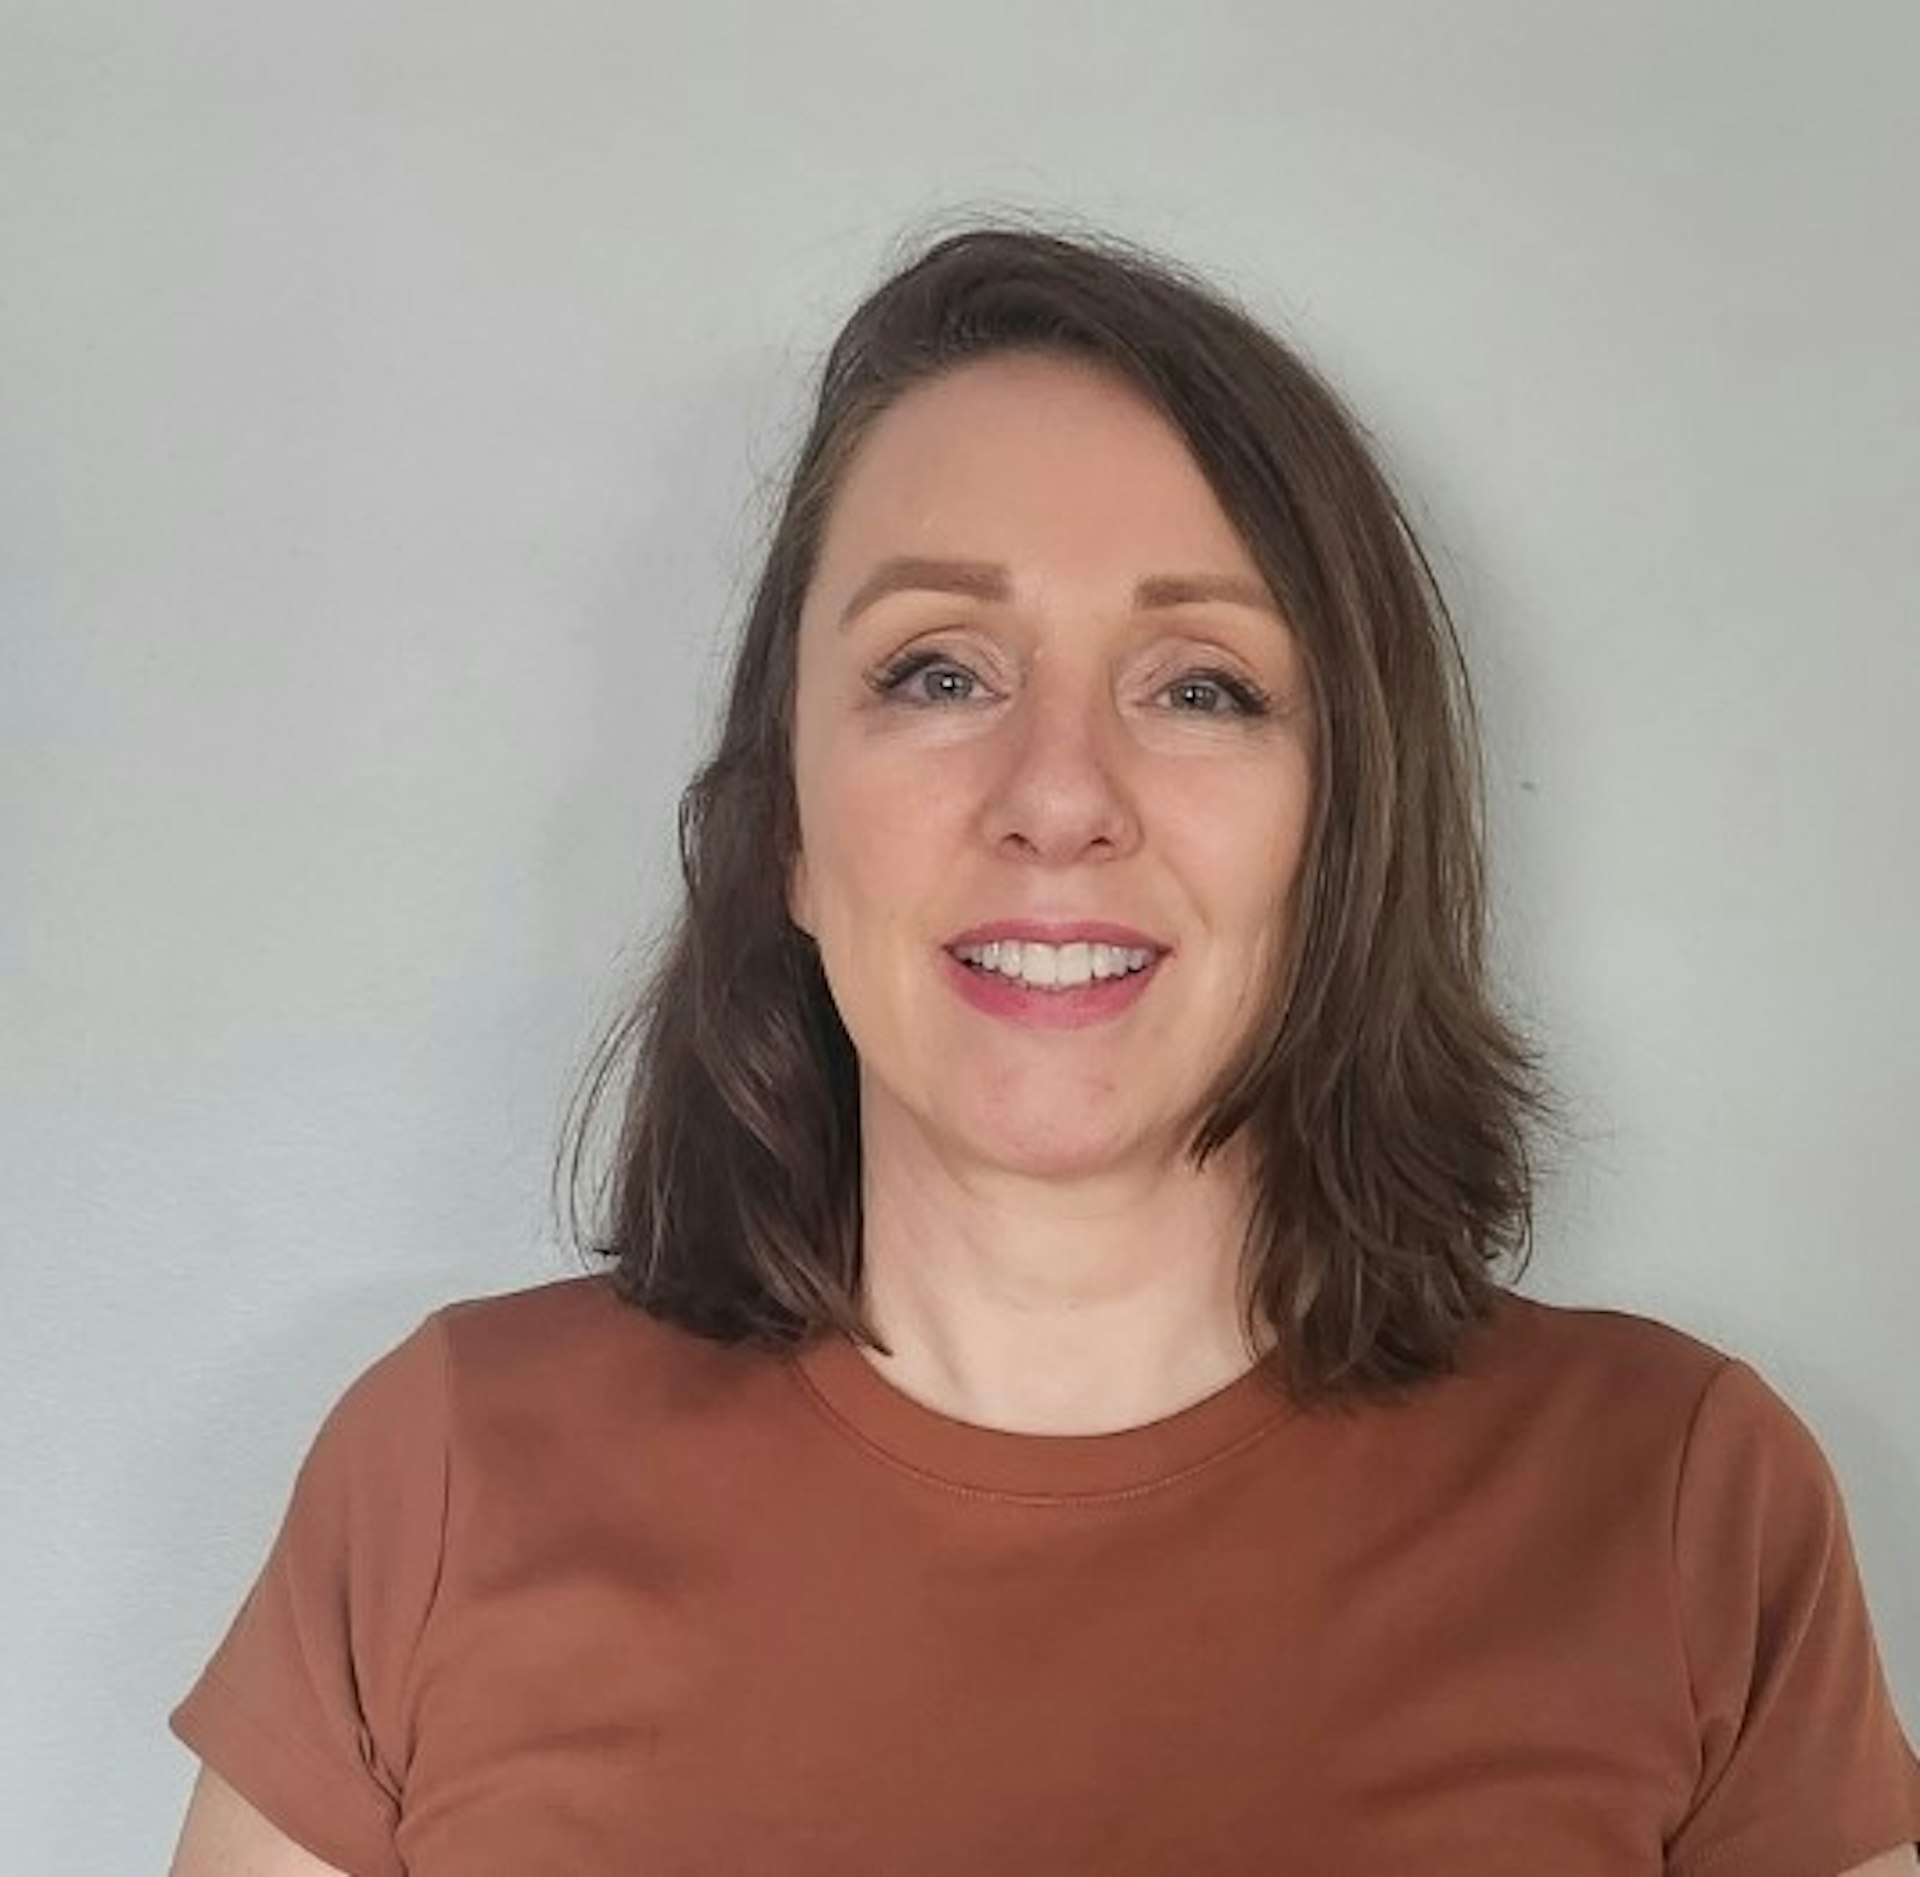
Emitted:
<point x="966" y="1457"/>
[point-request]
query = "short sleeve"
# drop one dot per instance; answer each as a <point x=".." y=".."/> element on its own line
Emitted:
<point x="304" y="1706"/>
<point x="1803" y="1769"/>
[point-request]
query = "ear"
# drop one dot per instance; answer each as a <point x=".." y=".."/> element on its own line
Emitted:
<point x="799" y="895"/>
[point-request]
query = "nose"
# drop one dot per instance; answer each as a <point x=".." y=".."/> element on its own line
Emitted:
<point x="1062" y="789"/>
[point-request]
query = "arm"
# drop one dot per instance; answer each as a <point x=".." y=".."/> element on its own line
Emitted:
<point x="224" y="1836"/>
<point x="302" y="1708"/>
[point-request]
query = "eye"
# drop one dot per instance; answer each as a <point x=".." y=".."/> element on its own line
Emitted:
<point x="1215" y="694"/>
<point x="926" y="679"/>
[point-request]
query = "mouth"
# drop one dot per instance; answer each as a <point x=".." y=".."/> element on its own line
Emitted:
<point x="1037" y="965"/>
<point x="1054" y="976"/>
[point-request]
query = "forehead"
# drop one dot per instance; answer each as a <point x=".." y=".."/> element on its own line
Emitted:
<point x="1029" y="460"/>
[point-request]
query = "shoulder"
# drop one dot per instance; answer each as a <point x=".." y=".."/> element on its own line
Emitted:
<point x="1524" y="1332"/>
<point x="560" y="1364"/>
<point x="576" y="1326"/>
<point x="1653" y="1398"/>
<point x="572" y="1356"/>
<point x="1584" y="1358"/>
<point x="549" y="1323"/>
<point x="1608" y="1369"/>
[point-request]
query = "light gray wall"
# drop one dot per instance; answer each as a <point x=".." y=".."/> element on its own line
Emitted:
<point x="386" y="390"/>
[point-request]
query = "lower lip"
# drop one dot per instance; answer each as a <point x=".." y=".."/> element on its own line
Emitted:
<point x="1096" y="1001"/>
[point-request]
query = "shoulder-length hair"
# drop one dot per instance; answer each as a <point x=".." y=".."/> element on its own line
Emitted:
<point x="1385" y="1100"/>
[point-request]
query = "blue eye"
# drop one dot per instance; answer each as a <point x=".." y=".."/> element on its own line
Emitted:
<point x="926" y="679"/>
<point x="1215" y="694"/>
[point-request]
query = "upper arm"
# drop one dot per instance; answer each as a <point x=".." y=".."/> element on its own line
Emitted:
<point x="302" y="1707"/>
<point x="224" y="1836"/>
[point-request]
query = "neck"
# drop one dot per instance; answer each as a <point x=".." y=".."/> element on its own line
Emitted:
<point x="1054" y="1307"/>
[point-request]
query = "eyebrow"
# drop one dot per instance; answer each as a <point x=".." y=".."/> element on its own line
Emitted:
<point x="986" y="580"/>
<point x="1201" y="589"/>
<point x="976" y="580"/>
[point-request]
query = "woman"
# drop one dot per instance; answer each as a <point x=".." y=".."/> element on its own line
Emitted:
<point x="1071" y="1421"/>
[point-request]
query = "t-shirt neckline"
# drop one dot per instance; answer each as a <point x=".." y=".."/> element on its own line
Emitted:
<point x="964" y="1456"/>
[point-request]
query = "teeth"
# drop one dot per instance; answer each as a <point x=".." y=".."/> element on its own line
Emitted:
<point x="1055" y="967"/>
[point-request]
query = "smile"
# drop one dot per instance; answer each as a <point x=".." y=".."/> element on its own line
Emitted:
<point x="1045" y="967"/>
<point x="1081" y="974"/>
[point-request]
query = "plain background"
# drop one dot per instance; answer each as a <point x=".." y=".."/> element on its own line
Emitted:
<point x="390" y="392"/>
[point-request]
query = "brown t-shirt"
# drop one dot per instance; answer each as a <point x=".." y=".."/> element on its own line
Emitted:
<point x="564" y="1591"/>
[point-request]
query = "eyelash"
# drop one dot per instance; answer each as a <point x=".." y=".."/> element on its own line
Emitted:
<point x="891" y="680"/>
<point x="1246" y="697"/>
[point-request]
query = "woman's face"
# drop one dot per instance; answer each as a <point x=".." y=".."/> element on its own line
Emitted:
<point x="1053" y="755"/>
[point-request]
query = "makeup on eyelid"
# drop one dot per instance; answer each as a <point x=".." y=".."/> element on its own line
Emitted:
<point x="1052" y="796"/>
<point x="894" y="678"/>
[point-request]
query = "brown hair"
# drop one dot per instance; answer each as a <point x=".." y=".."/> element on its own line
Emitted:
<point x="1385" y="1100"/>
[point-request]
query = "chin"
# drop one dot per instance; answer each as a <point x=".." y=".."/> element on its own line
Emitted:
<point x="1048" y="1128"/>
<point x="1055" y="1151"/>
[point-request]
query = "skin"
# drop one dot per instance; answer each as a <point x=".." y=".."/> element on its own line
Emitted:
<point x="225" y="1837"/>
<point x="1075" y="753"/>
<point x="1024" y="1187"/>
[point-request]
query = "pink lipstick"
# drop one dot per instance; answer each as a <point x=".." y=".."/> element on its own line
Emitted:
<point x="1050" y="973"/>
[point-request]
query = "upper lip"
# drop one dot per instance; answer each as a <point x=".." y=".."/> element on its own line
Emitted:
<point x="1057" y="932"/>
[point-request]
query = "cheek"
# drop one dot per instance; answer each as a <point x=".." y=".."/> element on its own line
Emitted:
<point x="875" y="843"/>
<point x="1243" y="847"/>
